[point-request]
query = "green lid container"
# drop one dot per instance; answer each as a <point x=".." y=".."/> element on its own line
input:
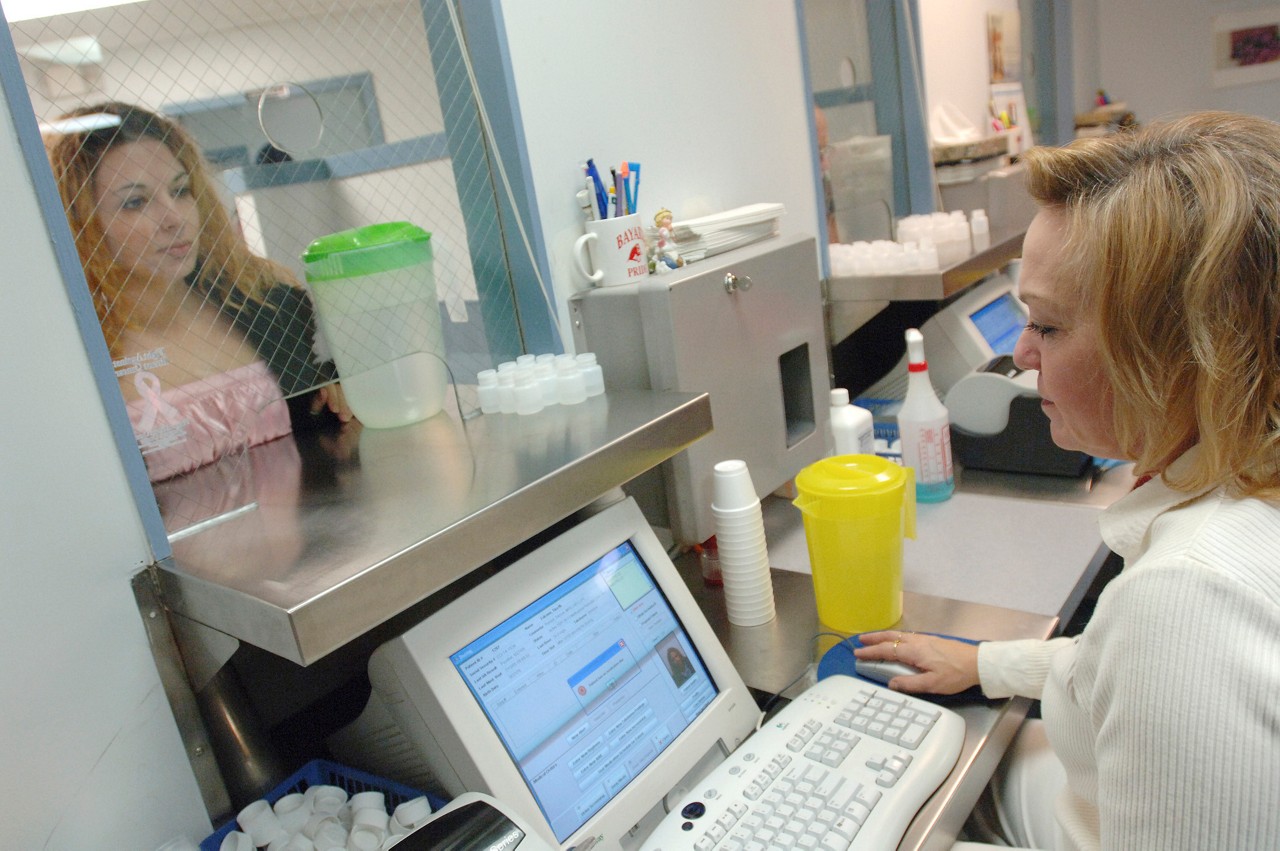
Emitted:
<point x="367" y="250"/>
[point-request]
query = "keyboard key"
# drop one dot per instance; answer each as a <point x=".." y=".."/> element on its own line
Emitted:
<point x="834" y="842"/>
<point x="846" y="827"/>
<point x="912" y="736"/>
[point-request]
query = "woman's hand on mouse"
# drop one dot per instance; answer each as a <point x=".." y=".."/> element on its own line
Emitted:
<point x="946" y="666"/>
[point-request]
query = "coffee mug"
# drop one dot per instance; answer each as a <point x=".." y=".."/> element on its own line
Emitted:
<point x="618" y="248"/>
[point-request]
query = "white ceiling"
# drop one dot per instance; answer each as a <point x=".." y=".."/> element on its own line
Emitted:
<point x="154" y="21"/>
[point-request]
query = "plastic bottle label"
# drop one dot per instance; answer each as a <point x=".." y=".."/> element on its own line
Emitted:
<point x="930" y="454"/>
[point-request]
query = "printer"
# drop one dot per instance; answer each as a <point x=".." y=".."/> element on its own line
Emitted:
<point x="997" y="424"/>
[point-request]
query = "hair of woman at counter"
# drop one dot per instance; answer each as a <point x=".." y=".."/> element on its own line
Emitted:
<point x="1173" y="241"/>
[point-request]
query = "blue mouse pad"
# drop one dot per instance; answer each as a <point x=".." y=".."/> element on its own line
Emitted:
<point x="839" y="660"/>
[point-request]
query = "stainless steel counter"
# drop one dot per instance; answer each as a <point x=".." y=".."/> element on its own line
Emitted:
<point x="302" y="546"/>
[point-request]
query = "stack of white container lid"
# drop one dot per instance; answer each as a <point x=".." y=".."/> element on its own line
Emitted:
<point x="531" y="383"/>
<point x="925" y="243"/>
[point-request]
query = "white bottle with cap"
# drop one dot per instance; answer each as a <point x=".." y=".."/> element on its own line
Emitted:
<point x="981" y="230"/>
<point x="925" y="428"/>
<point x="852" y="427"/>
<point x="487" y="389"/>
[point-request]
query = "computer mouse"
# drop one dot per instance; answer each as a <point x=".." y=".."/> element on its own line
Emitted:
<point x="882" y="671"/>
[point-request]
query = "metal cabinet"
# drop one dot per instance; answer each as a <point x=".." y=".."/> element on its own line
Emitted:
<point x="746" y="327"/>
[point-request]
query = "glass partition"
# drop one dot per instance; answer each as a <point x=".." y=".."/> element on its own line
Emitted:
<point x="201" y="147"/>
<point x="865" y="84"/>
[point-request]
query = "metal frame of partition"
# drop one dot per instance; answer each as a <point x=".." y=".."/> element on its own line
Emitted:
<point x="507" y="245"/>
<point x="55" y="219"/>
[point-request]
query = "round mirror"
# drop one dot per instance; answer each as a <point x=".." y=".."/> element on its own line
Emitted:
<point x="291" y="119"/>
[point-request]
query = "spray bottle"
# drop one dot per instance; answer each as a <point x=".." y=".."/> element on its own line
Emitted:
<point x="852" y="427"/>
<point x="925" y="428"/>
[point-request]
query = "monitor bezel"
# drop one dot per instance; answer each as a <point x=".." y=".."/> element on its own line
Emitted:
<point x="437" y="710"/>
<point x="962" y="346"/>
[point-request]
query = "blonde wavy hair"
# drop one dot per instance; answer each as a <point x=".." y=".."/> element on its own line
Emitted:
<point x="227" y="270"/>
<point x="1173" y="242"/>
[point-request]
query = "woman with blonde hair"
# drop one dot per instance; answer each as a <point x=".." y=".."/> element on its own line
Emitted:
<point x="207" y="338"/>
<point x="1152" y="277"/>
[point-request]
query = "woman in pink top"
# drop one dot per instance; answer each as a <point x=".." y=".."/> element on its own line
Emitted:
<point x="208" y="340"/>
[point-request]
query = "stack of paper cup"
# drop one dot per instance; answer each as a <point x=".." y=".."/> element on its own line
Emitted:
<point x="744" y="557"/>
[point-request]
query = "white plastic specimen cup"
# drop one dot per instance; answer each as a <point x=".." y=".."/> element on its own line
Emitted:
<point x="260" y="822"/>
<point x="293" y="810"/>
<point x="326" y="799"/>
<point x="370" y="800"/>
<point x="413" y="813"/>
<point x="236" y="841"/>
<point x="732" y="487"/>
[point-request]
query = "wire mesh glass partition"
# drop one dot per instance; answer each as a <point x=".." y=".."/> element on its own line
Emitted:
<point x="204" y="152"/>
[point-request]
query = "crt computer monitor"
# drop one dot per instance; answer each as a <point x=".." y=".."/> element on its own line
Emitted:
<point x="578" y="686"/>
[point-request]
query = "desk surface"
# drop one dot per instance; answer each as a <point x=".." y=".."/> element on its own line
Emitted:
<point x="987" y="544"/>
<point x="971" y="551"/>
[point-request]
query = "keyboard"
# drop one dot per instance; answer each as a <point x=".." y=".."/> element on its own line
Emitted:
<point x="846" y="765"/>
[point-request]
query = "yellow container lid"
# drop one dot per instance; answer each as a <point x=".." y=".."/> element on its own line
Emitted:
<point x="846" y="487"/>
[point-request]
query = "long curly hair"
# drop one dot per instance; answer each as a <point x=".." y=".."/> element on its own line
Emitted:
<point x="225" y="270"/>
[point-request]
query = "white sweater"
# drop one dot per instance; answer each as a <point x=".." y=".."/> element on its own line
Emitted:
<point x="1165" y="711"/>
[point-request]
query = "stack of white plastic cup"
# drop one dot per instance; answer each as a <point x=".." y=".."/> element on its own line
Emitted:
<point x="744" y="556"/>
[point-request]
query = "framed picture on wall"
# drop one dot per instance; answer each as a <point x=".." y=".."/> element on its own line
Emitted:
<point x="1246" y="47"/>
<point x="1004" y="47"/>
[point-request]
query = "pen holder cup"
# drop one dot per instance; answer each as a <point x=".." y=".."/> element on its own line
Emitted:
<point x="613" y="251"/>
<point x="857" y="509"/>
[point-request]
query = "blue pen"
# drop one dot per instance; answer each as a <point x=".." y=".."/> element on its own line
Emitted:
<point x="602" y="200"/>
<point x="634" y="168"/>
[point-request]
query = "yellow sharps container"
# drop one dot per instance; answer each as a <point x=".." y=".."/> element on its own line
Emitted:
<point x="857" y="510"/>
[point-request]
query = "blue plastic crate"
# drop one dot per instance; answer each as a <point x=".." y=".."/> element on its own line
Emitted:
<point x="322" y="772"/>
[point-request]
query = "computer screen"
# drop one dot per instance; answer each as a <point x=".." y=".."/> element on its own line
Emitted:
<point x="983" y="322"/>
<point x="587" y="684"/>
<point x="579" y="685"/>
<point x="1000" y="321"/>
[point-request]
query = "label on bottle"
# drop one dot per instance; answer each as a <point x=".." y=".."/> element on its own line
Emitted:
<point x="929" y="453"/>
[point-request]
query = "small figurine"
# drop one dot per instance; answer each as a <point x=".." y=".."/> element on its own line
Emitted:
<point x="665" y="256"/>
